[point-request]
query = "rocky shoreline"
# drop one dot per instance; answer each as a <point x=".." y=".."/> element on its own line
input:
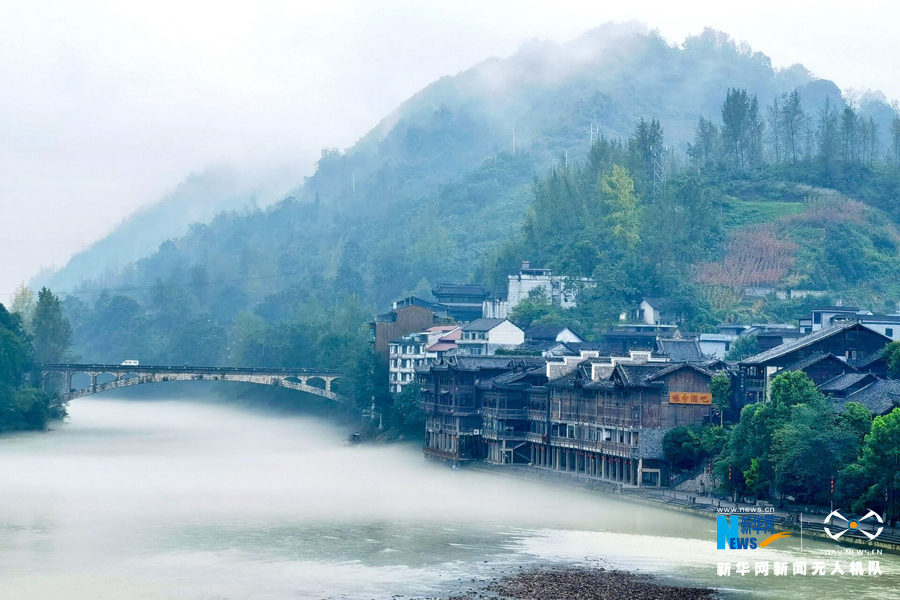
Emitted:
<point x="580" y="583"/>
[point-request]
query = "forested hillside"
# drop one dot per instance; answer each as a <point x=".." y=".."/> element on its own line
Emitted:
<point x="709" y="171"/>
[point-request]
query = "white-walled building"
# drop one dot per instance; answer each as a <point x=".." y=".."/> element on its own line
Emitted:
<point x="561" y="291"/>
<point x="411" y="351"/>
<point x="485" y="336"/>
<point x="716" y="344"/>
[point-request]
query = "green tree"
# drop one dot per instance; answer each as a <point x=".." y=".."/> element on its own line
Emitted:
<point x="891" y="354"/>
<point x="21" y="406"/>
<point x="623" y="208"/>
<point x="405" y="415"/>
<point x="706" y="147"/>
<point x="743" y="347"/>
<point x="742" y="127"/>
<point x="720" y="386"/>
<point x="682" y="447"/>
<point x="23" y="305"/>
<point x="879" y="464"/>
<point x="536" y="308"/>
<point x="52" y="332"/>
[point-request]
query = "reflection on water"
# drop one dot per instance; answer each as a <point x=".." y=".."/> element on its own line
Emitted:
<point x="189" y="500"/>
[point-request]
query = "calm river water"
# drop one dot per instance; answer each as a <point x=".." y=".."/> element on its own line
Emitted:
<point x="139" y="499"/>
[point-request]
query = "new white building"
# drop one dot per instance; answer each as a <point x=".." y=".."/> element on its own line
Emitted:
<point x="485" y="336"/>
<point x="561" y="291"/>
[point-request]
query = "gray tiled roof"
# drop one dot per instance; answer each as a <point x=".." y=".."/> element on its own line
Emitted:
<point x="867" y="361"/>
<point x="680" y="350"/>
<point x="482" y="324"/>
<point x="817" y="357"/>
<point x="461" y="289"/>
<point x="475" y="363"/>
<point x="638" y="374"/>
<point x="678" y="366"/>
<point x="802" y="342"/>
<point x="842" y="382"/>
<point x="881" y="397"/>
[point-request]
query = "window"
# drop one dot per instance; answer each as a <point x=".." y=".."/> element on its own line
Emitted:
<point x="889" y="332"/>
<point x="817" y="318"/>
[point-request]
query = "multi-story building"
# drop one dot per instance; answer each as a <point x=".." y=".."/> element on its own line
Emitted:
<point x="411" y="352"/>
<point x="463" y="301"/>
<point x="484" y="337"/>
<point x="604" y="419"/>
<point x="408" y="315"/>
<point x="560" y="291"/>
<point x="848" y="342"/>
<point x="452" y="404"/>
<point x="612" y="427"/>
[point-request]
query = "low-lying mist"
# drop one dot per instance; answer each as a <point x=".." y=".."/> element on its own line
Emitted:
<point x="180" y="459"/>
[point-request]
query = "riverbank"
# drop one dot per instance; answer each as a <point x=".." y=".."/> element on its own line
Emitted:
<point x="706" y="506"/>
<point x="579" y="583"/>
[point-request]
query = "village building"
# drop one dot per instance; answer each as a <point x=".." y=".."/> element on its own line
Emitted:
<point x="451" y="401"/>
<point x="611" y="428"/>
<point x="505" y="403"/>
<point x="484" y="337"/>
<point x="837" y="345"/>
<point x="559" y="290"/>
<point x="881" y="396"/>
<point x="406" y="316"/>
<point x="463" y="301"/>
<point x="444" y="346"/>
<point x="680" y="350"/>
<point x="716" y="344"/>
<point x="596" y="416"/>
<point x="657" y="311"/>
<point x="552" y="333"/>
<point x="411" y="352"/>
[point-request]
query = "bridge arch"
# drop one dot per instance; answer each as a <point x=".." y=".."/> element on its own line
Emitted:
<point x="310" y="381"/>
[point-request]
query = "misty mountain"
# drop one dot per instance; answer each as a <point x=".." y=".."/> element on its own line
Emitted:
<point x="197" y="199"/>
<point x="445" y="180"/>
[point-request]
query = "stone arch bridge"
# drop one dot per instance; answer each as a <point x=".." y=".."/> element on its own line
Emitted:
<point x="124" y="375"/>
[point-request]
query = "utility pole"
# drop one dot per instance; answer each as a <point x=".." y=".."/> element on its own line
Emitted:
<point x="567" y="160"/>
<point x="353" y="180"/>
<point x="514" y="140"/>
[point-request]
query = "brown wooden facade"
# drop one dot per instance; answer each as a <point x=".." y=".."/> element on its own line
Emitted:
<point x="608" y="430"/>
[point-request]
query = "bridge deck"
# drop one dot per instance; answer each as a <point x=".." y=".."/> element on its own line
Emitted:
<point x="97" y="367"/>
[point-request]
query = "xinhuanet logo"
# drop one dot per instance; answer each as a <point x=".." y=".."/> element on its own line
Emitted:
<point x="744" y="532"/>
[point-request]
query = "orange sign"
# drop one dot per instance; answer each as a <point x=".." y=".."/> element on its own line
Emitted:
<point x="689" y="398"/>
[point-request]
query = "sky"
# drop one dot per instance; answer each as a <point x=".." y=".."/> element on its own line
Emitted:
<point x="106" y="106"/>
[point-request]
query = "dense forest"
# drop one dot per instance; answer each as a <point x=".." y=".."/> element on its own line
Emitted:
<point x="693" y="171"/>
<point x="36" y="331"/>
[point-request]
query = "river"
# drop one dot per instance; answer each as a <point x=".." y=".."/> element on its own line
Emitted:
<point x="189" y="499"/>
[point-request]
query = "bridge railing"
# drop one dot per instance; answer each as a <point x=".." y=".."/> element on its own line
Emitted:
<point x="86" y="367"/>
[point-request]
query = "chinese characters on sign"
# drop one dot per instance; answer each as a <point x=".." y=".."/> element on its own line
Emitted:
<point x="761" y="569"/>
<point x="757" y="524"/>
<point x="690" y="398"/>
